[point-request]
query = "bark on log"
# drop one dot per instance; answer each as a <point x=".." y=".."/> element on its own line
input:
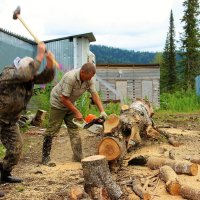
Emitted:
<point x="39" y="118"/>
<point x="168" y="175"/>
<point x="180" y="167"/>
<point x="174" y="142"/>
<point x="194" y="159"/>
<point x="137" y="188"/>
<point x="98" y="179"/>
<point x="111" y="123"/>
<point x="190" y="192"/>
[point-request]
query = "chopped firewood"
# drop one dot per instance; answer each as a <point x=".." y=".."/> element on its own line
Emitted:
<point x="180" y="167"/>
<point x="39" y="118"/>
<point x="168" y="175"/>
<point x="131" y="194"/>
<point x="124" y="107"/>
<point x="174" y="142"/>
<point x="194" y="159"/>
<point x="137" y="188"/>
<point x="98" y="179"/>
<point x="190" y="192"/>
<point x="76" y="192"/>
<point x="112" y="148"/>
<point x="111" y="123"/>
<point x="138" y="160"/>
<point x="152" y="132"/>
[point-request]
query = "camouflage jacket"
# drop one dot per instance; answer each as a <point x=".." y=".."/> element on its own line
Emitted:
<point x="16" y="88"/>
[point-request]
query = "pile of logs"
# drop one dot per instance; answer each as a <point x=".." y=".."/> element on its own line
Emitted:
<point x="168" y="171"/>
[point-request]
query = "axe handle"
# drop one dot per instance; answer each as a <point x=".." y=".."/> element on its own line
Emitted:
<point x="35" y="38"/>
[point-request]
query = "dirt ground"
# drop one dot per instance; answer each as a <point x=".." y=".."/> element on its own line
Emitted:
<point x="54" y="182"/>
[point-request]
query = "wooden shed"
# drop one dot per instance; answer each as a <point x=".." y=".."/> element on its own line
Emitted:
<point x="129" y="82"/>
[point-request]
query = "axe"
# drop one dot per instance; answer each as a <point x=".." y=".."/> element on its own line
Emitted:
<point x="16" y="15"/>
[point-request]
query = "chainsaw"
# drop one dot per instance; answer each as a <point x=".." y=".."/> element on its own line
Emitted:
<point x="95" y="126"/>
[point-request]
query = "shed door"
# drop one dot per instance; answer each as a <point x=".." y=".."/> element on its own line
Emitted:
<point x="121" y="87"/>
<point x="147" y="90"/>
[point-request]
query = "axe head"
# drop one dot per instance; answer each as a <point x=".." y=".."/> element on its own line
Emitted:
<point x="16" y="12"/>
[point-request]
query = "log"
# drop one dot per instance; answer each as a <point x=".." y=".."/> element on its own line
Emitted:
<point x="137" y="188"/>
<point x="174" y="142"/>
<point x="111" y="123"/>
<point x="98" y="179"/>
<point x="180" y="167"/>
<point x="39" y="118"/>
<point x="194" y="159"/>
<point x="111" y="147"/>
<point x="124" y="107"/>
<point x="190" y="192"/>
<point x="168" y="175"/>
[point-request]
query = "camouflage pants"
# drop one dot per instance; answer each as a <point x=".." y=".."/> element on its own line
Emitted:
<point x="12" y="141"/>
<point x="55" y="121"/>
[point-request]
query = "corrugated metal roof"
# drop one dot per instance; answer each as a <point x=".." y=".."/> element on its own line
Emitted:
<point x="89" y="36"/>
<point x="17" y="36"/>
<point x="156" y="65"/>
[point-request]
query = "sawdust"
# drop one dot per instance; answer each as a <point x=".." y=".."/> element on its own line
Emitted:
<point x="54" y="181"/>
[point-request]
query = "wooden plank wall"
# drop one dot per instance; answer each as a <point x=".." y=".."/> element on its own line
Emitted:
<point x="134" y="77"/>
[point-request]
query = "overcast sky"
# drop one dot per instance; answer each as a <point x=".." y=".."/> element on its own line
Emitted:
<point x="139" y="25"/>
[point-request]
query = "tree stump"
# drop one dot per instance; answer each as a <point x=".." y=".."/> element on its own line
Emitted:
<point x="168" y="175"/>
<point x="98" y="179"/>
<point x="39" y="118"/>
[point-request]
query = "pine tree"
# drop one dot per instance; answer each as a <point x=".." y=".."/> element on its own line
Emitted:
<point x="168" y="68"/>
<point x="190" y="43"/>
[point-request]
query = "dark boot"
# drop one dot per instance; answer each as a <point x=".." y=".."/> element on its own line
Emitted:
<point x="46" y="149"/>
<point x="2" y="194"/>
<point x="6" y="177"/>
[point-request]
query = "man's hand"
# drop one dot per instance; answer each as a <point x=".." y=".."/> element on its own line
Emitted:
<point x="40" y="51"/>
<point x="78" y="116"/>
<point x="103" y="114"/>
<point x="49" y="58"/>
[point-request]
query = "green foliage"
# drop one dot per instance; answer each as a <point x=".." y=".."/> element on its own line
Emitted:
<point x="168" y="67"/>
<point x="180" y="101"/>
<point x="2" y="151"/>
<point x="106" y="54"/>
<point x="41" y="98"/>
<point x="85" y="106"/>
<point x="190" y="43"/>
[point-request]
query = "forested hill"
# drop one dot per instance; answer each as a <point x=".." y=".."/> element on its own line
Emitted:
<point x="106" y="54"/>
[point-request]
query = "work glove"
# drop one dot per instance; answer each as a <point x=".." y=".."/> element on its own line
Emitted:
<point x="103" y="114"/>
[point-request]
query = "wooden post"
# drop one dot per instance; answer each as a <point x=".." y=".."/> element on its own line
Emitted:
<point x="168" y="175"/>
<point x="98" y="179"/>
<point x="39" y="118"/>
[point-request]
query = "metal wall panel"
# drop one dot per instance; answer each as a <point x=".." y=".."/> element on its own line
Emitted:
<point x="63" y="51"/>
<point x="12" y="47"/>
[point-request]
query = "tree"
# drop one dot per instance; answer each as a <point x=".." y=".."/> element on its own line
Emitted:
<point x="190" y="43"/>
<point x="168" y="68"/>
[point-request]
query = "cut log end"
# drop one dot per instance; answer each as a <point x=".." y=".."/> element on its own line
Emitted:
<point x="146" y="196"/>
<point x="93" y="158"/>
<point x="174" y="188"/>
<point x="110" y="148"/>
<point x="111" y="123"/>
<point x="194" y="169"/>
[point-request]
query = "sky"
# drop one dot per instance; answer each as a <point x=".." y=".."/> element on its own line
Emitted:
<point x="139" y="25"/>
